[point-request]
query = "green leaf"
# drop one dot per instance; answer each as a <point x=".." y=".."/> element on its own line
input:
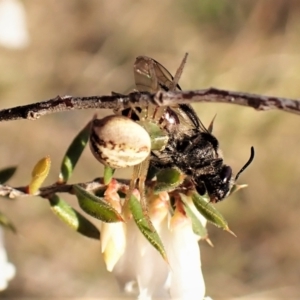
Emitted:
<point x="159" y="138"/>
<point x="73" y="218"/>
<point x="108" y="174"/>
<point x="168" y="179"/>
<point x="7" y="223"/>
<point x="144" y="224"/>
<point x="73" y="154"/>
<point x="198" y="228"/>
<point x="209" y="212"/>
<point x="171" y="176"/>
<point x="7" y="173"/>
<point x="39" y="174"/>
<point x="96" y="207"/>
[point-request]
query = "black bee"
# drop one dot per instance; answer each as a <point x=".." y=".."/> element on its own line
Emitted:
<point x="191" y="147"/>
<point x="196" y="153"/>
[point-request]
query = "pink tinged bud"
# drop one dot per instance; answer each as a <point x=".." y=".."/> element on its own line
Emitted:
<point x="179" y="217"/>
<point x="158" y="207"/>
<point x="112" y="197"/>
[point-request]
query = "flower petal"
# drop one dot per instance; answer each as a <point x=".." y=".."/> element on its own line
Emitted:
<point x="113" y="243"/>
<point x="141" y="263"/>
<point x="186" y="279"/>
<point x="13" y="25"/>
<point x="7" y="270"/>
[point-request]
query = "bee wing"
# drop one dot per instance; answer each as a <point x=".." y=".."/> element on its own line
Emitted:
<point x="188" y="117"/>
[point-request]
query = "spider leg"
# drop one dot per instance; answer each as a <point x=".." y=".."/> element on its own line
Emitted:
<point x="140" y="174"/>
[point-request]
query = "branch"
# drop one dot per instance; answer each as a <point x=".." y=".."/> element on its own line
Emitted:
<point x="258" y="102"/>
<point x="119" y="101"/>
<point x="48" y="191"/>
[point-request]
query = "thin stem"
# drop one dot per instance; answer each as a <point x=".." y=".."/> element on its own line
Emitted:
<point x="48" y="191"/>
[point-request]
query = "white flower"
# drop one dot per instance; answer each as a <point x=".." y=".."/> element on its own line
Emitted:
<point x="113" y="243"/>
<point x="186" y="280"/>
<point x="13" y="27"/>
<point x="113" y="235"/>
<point x="7" y="270"/>
<point x="142" y="270"/>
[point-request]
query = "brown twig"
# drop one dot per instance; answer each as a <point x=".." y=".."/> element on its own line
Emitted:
<point x="48" y="191"/>
<point x="119" y="101"/>
<point x="258" y="102"/>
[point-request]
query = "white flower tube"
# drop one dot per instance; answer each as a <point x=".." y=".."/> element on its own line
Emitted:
<point x="7" y="270"/>
<point x="142" y="270"/>
<point x="186" y="279"/>
<point x="13" y="25"/>
<point x="113" y="243"/>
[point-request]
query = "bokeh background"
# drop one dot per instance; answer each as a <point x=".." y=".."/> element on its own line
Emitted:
<point x="87" y="47"/>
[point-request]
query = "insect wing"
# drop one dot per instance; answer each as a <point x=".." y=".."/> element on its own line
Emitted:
<point x="151" y="76"/>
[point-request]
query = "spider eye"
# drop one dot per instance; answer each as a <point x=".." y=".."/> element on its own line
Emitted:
<point x="226" y="173"/>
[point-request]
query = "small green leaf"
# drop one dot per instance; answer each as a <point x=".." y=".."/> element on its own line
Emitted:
<point x="108" y="174"/>
<point x="171" y="176"/>
<point x="168" y="179"/>
<point x="198" y="228"/>
<point x="42" y="167"/>
<point x="159" y="138"/>
<point x="73" y="154"/>
<point x="209" y="212"/>
<point x="7" y="223"/>
<point x="143" y="224"/>
<point x="7" y="173"/>
<point x="73" y="218"/>
<point x="96" y="207"/>
<point x="39" y="174"/>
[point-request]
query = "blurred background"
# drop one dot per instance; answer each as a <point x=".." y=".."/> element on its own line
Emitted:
<point x="88" y="47"/>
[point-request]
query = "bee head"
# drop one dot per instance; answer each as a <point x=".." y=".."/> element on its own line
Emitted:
<point x="218" y="185"/>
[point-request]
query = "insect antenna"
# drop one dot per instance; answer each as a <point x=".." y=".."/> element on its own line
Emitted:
<point x="246" y="164"/>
